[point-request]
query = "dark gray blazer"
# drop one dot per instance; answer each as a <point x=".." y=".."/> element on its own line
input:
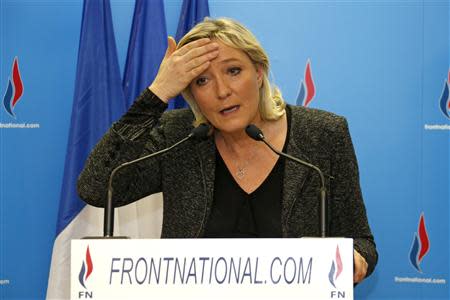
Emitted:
<point x="186" y="174"/>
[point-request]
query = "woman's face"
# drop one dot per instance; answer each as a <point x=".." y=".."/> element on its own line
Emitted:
<point x="227" y="93"/>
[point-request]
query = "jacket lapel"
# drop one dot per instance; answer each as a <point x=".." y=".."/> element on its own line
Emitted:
<point x="295" y="176"/>
<point x="206" y="151"/>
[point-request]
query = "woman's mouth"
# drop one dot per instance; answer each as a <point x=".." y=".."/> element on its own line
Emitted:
<point x="229" y="110"/>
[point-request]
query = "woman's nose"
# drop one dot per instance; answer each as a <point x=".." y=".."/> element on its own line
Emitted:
<point x="222" y="88"/>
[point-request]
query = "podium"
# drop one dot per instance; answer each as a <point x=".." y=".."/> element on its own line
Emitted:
<point x="237" y="269"/>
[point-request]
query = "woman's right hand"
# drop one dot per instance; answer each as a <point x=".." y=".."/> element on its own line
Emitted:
<point x="180" y="66"/>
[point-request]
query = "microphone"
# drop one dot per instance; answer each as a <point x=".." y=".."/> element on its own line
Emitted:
<point x="256" y="134"/>
<point x="200" y="132"/>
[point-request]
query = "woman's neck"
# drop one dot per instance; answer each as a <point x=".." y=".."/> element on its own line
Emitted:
<point x="239" y="143"/>
<point x="236" y="142"/>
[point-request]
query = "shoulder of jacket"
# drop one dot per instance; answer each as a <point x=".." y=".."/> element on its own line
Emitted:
<point x="177" y="115"/>
<point x="315" y="115"/>
<point x="315" y="123"/>
<point x="177" y="122"/>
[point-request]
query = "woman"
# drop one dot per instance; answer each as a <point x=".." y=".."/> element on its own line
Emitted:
<point x="230" y="185"/>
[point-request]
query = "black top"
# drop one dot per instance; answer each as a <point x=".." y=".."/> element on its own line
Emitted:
<point x="236" y="214"/>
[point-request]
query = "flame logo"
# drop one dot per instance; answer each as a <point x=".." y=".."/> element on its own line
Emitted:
<point x="444" y="102"/>
<point x="420" y="246"/>
<point x="307" y="87"/>
<point x="84" y="274"/>
<point x="14" y="90"/>
<point x="336" y="268"/>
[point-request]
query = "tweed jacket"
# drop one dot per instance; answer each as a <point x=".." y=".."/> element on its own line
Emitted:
<point x="185" y="175"/>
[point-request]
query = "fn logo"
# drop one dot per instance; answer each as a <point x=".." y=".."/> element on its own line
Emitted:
<point x="337" y="294"/>
<point x="85" y="295"/>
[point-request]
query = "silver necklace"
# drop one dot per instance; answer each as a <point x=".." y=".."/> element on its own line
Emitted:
<point x="241" y="170"/>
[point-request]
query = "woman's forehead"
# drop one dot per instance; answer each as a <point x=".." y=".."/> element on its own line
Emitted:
<point x="228" y="52"/>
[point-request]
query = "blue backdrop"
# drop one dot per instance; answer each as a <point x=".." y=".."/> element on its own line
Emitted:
<point x="382" y="64"/>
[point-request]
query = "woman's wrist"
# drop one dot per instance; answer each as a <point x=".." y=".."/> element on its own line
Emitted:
<point x="159" y="92"/>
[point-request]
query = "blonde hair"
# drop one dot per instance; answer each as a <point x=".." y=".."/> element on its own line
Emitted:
<point x="235" y="35"/>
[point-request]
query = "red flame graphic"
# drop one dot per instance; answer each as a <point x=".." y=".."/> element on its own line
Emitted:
<point x="18" y="85"/>
<point x="310" y="88"/>
<point x="338" y="262"/>
<point x="89" y="263"/>
<point x="423" y="236"/>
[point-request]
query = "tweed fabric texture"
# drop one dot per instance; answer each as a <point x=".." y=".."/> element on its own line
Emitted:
<point x="185" y="175"/>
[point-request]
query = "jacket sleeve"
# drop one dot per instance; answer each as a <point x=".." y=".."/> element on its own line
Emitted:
<point x="348" y="212"/>
<point x="134" y="135"/>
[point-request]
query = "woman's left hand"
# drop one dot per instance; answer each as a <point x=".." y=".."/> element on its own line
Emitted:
<point x="360" y="267"/>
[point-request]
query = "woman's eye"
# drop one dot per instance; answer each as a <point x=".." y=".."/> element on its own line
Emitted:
<point x="201" y="81"/>
<point x="234" y="71"/>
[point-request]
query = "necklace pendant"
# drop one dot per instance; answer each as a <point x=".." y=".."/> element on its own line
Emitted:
<point x="240" y="173"/>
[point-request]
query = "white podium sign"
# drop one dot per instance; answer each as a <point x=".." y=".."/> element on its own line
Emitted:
<point x="308" y="268"/>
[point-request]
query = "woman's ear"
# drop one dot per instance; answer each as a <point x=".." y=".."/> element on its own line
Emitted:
<point x="259" y="74"/>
